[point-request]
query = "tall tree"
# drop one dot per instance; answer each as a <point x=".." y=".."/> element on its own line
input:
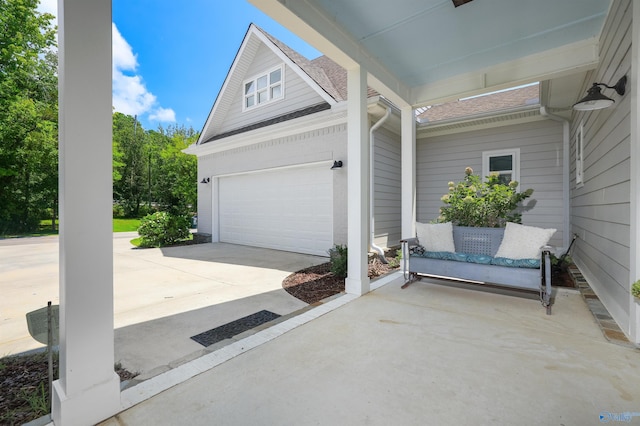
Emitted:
<point x="151" y="169"/>
<point x="129" y="153"/>
<point x="177" y="181"/>
<point x="28" y="115"/>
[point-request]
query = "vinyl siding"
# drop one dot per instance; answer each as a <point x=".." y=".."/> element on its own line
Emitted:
<point x="387" y="188"/>
<point x="319" y="145"/>
<point x="297" y="94"/>
<point x="600" y="208"/>
<point x="442" y="159"/>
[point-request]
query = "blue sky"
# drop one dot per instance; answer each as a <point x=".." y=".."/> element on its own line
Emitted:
<point x="171" y="58"/>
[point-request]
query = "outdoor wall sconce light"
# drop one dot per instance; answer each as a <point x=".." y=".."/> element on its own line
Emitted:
<point x="336" y="165"/>
<point x="205" y="180"/>
<point x="596" y="100"/>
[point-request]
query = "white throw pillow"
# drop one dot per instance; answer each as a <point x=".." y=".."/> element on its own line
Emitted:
<point x="435" y="236"/>
<point x="523" y="242"/>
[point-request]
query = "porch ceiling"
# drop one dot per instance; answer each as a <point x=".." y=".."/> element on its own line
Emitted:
<point x="421" y="52"/>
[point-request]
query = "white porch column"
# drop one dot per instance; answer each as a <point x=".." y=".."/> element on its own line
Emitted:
<point x="88" y="390"/>
<point x="634" y="88"/>
<point x="357" y="281"/>
<point x="408" y="161"/>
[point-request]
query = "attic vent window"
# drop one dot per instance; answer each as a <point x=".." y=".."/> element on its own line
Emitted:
<point x="263" y="88"/>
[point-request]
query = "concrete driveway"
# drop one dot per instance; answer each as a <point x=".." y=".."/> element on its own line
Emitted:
<point x="162" y="297"/>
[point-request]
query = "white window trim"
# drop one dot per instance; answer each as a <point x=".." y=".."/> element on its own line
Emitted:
<point x="580" y="155"/>
<point x="514" y="152"/>
<point x="269" y="86"/>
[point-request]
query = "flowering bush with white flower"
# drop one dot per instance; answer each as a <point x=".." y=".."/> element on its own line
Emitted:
<point x="473" y="202"/>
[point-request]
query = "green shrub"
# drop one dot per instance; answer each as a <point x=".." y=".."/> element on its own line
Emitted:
<point x="395" y="262"/>
<point x="635" y="289"/>
<point x="338" y="260"/>
<point x="162" y="229"/>
<point x="473" y="202"/>
<point x="118" y="210"/>
<point x="146" y="210"/>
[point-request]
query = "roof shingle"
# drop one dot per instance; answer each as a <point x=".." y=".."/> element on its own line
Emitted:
<point x="506" y="100"/>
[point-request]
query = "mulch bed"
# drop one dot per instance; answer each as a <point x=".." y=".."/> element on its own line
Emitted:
<point x="562" y="279"/>
<point x="315" y="283"/>
<point x="22" y="378"/>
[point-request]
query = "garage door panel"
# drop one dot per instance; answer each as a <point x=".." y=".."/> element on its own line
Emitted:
<point x="287" y="209"/>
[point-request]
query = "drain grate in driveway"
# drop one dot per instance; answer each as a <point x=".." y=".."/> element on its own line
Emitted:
<point x="234" y="328"/>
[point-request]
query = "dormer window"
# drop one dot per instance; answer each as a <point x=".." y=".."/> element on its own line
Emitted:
<point x="263" y="89"/>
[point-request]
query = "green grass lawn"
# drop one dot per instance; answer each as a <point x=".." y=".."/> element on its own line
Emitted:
<point x="125" y="225"/>
<point x="119" y="225"/>
<point x="136" y="241"/>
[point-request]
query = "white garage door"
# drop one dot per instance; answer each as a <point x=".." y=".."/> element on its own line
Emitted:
<point x="287" y="209"/>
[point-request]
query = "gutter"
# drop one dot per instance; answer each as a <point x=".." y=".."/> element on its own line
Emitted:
<point x="372" y="227"/>
<point x="565" y="172"/>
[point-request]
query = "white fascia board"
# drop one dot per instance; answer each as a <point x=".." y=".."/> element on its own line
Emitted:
<point x="225" y="84"/>
<point x="319" y="120"/>
<point x="328" y="36"/>
<point x="562" y="61"/>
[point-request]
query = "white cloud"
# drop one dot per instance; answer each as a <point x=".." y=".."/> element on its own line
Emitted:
<point x="123" y="57"/>
<point x="166" y="115"/>
<point x="130" y="95"/>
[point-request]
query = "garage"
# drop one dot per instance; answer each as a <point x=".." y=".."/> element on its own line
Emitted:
<point x="287" y="209"/>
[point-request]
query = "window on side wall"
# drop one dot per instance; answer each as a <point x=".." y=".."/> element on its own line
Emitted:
<point x="263" y="88"/>
<point x="580" y="155"/>
<point x="505" y="162"/>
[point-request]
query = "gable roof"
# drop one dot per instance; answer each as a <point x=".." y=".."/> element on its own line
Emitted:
<point x="337" y="75"/>
<point x="311" y="68"/>
<point x="253" y="39"/>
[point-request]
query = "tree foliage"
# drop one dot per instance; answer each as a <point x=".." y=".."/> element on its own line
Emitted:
<point x="150" y="170"/>
<point x="176" y="189"/>
<point x="128" y="141"/>
<point x="28" y="116"/>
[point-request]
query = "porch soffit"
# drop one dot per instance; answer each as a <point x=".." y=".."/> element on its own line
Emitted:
<point x="420" y="52"/>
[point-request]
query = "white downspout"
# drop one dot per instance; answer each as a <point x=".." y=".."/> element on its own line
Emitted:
<point x="372" y="222"/>
<point x="565" y="173"/>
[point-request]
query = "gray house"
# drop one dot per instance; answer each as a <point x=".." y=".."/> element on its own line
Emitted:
<point x="265" y="160"/>
<point x="266" y="154"/>
<point x="259" y="155"/>
<point x="583" y="164"/>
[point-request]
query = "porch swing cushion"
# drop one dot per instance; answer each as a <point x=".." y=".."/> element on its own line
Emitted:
<point x="436" y="237"/>
<point x="523" y="242"/>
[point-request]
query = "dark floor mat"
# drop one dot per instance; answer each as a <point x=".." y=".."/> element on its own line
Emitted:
<point x="234" y="328"/>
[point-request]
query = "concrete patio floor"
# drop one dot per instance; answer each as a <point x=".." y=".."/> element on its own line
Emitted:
<point x="429" y="354"/>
